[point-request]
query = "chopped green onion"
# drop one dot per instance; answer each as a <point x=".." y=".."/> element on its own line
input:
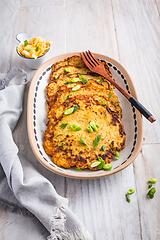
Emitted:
<point x="152" y="180"/>
<point x="67" y="96"/>
<point x="96" y="141"/>
<point x="81" y="77"/>
<point x="150" y="185"/>
<point x="90" y="129"/>
<point x="101" y="165"/>
<point x="128" y="198"/>
<point x="84" y="81"/>
<point x="61" y="144"/>
<point x="103" y="147"/>
<point x="107" y="166"/>
<point x="117" y="155"/>
<point x="69" y="111"/>
<point x="130" y="191"/>
<point x="151" y="192"/>
<point x="83" y="141"/>
<point x="97" y="125"/>
<point x="75" y="88"/>
<point x="103" y="103"/>
<point x="67" y="69"/>
<point x="56" y="76"/>
<point x="63" y="125"/>
<point x="95" y="164"/>
<point x="25" y="43"/>
<point x="78" y="168"/>
<point x="110" y="95"/>
<point x="98" y="80"/>
<point x="66" y="83"/>
<point x="93" y="125"/>
<point x="75" y="127"/>
<point x="30" y="50"/>
<point x="74" y="80"/>
<point x="37" y="48"/>
<point x="75" y="108"/>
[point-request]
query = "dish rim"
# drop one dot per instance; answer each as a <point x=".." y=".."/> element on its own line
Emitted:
<point x="30" y="126"/>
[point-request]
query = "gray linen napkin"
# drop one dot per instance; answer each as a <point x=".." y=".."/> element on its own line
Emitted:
<point x="28" y="188"/>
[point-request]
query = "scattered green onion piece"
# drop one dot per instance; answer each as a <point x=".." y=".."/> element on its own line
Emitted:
<point x="69" y="111"/>
<point x="151" y="192"/>
<point x="75" y="108"/>
<point x="152" y="180"/>
<point x="93" y="125"/>
<point x="97" y="125"/>
<point x="98" y="80"/>
<point x="67" y="69"/>
<point x="25" y="43"/>
<point x="103" y="147"/>
<point x="63" y="125"/>
<point x="75" y="88"/>
<point x="95" y="164"/>
<point x="75" y="127"/>
<point x="74" y="80"/>
<point x="101" y="165"/>
<point x="83" y="141"/>
<point x="117" y="155"/>
<point x="96" y="141"/>
<point x="30" y="50"/>
<point x="90" y="129"/>
<point x="84" y="81"/>
<point x="78" y="168"/>
<point x="103" y="103"/>
<point x="107" y="166"/>
<point x="131" y="190"/>
<point x="66" y="83"/>
<point x="150" y="185"/>
<point x="67" y="96"/>
<point x="81" y="76"/>
<point x="110" y="95"/>
<point x="128" y="198"/>
<point x="56" y="76"/>
<point x="61" y="144"/>
<point x="37" y="48"/>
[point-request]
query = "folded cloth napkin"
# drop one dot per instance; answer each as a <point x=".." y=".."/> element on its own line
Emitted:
<point x="28" y="187"/>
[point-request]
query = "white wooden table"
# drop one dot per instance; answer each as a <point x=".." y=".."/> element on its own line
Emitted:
<point x="129" y="32"/>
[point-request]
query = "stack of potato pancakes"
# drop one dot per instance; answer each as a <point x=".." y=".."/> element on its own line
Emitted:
<point x="84" y="126"/>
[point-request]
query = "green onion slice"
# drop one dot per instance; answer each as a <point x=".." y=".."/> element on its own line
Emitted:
<point x="75" y="127"/>
<point x="107" y="166"/>
<point x="102" y="102"/>
<point x="89" y="128"/>
<point x="128" y="198"/>
<point x="37" y="48"/>
<point x="83" y="141"/>
<point x="74" y="80"/>
<point x="101" y="165"/>
<point x="84" y="81"/>
<point x="67" y="96"/>
<point x="61" y="144"/>
<point x="130" y="191"/>
<point x="63" y="125"/>
<point x="75" y="108"/>
<point x="110" y="95"/>
<point x="67" y="69"/>
<point x="69" y="111"/>
<point x="25" y="43"/>
<point x="93" y="125"/>
<point x="152" y="180"/>
<point x="117" y="155"/>
<point x="56" y="76"/>
<point x="98" y="80"/>
<point x="103" y="147"/>
<point x="95" y="164"/>
<point x="151" y="192"/>
<point x="78" y="168"/>
<point x="96" y="141"/>
<point x="75" y="88"/>
<point x="30" y="50"/>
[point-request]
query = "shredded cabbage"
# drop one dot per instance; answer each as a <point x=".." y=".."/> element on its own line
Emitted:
<point x="34" y="48"/>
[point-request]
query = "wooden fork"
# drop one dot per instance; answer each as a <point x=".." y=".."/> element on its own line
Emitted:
<point x="96" y="66"/>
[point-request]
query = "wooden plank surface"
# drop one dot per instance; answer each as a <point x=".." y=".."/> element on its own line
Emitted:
<point x="129" y="32"/>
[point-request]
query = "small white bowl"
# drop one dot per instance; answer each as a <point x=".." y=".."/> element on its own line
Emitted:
<point x="30" y="62"/>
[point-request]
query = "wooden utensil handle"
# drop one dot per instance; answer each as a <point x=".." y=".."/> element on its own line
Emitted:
<point x="132" y="100"/>
<point x="142" y="109"/>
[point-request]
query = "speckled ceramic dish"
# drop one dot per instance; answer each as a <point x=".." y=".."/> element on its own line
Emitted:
<point x="37" y="111"/>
